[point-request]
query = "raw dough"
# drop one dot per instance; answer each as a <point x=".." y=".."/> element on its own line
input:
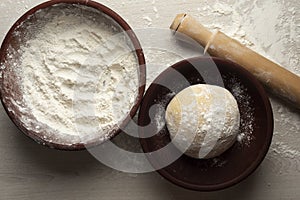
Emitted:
<point x="203" y="120"/>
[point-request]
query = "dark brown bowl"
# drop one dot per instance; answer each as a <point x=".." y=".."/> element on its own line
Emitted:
<point x="236" y="163"/>
<point x="10" y="90"/>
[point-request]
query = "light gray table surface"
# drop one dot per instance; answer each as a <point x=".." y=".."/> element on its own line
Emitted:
<point x="31" y="171"/>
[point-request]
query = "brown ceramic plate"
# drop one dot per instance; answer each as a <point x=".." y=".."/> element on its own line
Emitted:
<point x="10" y="91"/>
<point x="236" y="163"/>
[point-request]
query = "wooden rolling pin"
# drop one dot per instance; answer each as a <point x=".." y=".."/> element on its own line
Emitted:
<point x="279" y="80"/>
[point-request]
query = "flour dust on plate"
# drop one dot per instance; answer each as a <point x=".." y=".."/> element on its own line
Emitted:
<point x="77" y="73"/>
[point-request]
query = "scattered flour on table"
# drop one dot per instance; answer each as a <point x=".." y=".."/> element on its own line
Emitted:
<point x="269" y="27"/>
<point x="283" y="149"/>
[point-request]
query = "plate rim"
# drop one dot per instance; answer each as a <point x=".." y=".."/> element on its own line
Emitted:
<point x="263" y="151"/>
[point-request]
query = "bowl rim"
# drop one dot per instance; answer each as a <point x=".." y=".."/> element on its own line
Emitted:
<point x="141" y="72"/>
<point x="263" y="151"/>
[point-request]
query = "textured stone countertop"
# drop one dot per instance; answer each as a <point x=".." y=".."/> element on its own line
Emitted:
<point x="271" y="27"/>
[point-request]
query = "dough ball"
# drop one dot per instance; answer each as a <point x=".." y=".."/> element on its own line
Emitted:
<point x="203" y="120"/>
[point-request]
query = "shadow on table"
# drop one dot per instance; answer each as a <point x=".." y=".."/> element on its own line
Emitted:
<point x="63" y="163"/>
<point x="243" y="190"/>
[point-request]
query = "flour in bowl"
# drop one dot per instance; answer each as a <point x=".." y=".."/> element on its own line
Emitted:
<point x="79" y="76"/>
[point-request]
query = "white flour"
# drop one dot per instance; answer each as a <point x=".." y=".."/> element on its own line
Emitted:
<point x="247" y="21"/>
<point x="77" y="78"/>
